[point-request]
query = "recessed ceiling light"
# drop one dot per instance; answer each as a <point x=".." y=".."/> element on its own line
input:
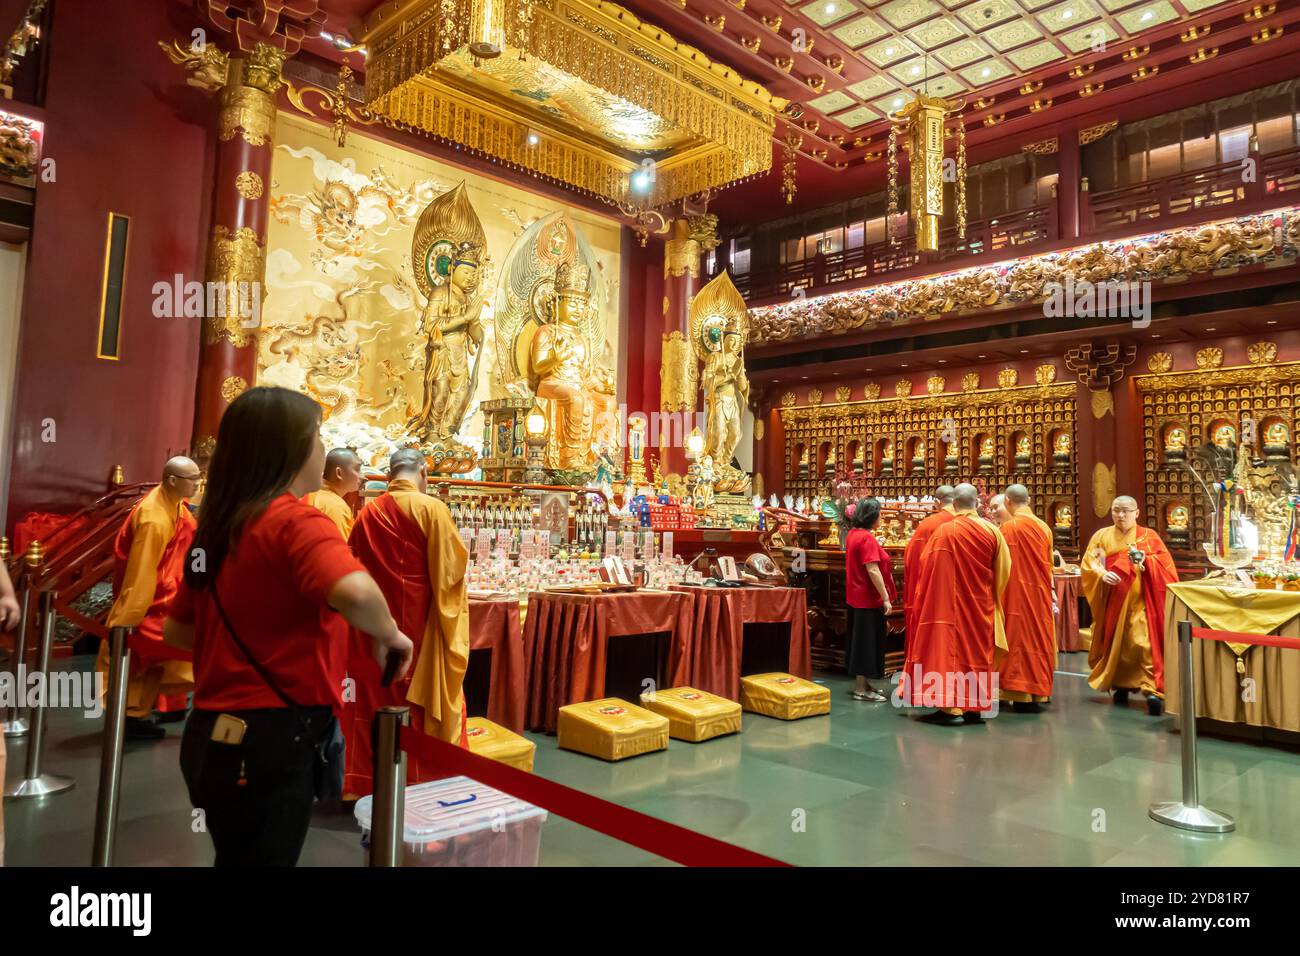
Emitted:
<point x="943" y="361"/>
<point x="903" y="366"/>
<point x="830" y="8"/>
<point x="916" y="70"/>
<point x="898" y="101"/>
<point x="1155" y="336"/>
<point x="889" y="51"/>
<point x="981" y="356"/>
<point x="1211" y="329"/>
<point x="1024" y="351"/>
<point x="1271" y="322"/>
<point x="1147" y="15"/>
<point x="805" y="378"/>
<point x="986" y="72"/>
<point x="1066" y="14"/>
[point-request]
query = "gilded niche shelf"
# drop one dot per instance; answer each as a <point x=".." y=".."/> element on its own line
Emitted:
<point x="905" y="446"/>
<point x="1183" y="411"/>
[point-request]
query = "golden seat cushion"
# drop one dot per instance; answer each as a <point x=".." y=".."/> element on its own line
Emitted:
<point x="495" y="742"/>
<point x="611" y="729"/>
<point x="693" y="714"/>
<point x="784" y="696"/>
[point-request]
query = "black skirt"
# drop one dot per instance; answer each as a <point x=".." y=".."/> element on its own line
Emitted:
<point x="866" y="642"/>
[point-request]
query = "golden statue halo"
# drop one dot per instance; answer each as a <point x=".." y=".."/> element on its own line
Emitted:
<point x="449" y="230"/>
<point x="718" y="306"/>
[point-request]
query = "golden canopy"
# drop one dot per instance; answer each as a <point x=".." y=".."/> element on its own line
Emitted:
<point x="582" y="92"/>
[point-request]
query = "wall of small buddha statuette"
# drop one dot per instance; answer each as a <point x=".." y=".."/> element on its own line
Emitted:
<point x="907" y="443"/>
<point x="1187" y="404"/>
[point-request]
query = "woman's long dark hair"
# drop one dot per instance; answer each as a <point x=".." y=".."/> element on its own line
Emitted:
<point x="866" y="514"/>
<point x="264" y="439"/>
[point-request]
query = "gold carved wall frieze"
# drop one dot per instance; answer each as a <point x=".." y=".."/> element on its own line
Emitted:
<point x="992" y="397"/>
<point x="1219" y="377"/>
<point x="1262" y="353"/>
<point x="1209" y="358"/>
<point x="1176" y="254"/>
<point x="1160" y="362"/>
<point x="843" y="394"/>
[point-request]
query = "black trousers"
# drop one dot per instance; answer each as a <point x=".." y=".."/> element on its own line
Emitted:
<point x="866" y="642"/>
<point x="256" y="796"/>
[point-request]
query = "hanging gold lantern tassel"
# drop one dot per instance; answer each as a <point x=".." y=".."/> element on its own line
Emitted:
<point x="447" y="8"/>
<point x="961" y="178"/>
<point x="487" y="21"/>
<point x="891" y="212"/>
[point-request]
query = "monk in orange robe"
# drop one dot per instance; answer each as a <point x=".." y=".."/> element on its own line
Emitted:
<point x="409" y="544"/>
<point x="960" y="634"/>
<point x="149" y="554"/>
<point x="912" y="557"/>
<point x="1126" y="569"/>
<point x="1029" y="603"/>
<point x="342" y="478"/>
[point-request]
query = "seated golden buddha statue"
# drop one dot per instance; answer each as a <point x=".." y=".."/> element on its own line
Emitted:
<point x="1175" y="444"/>
<point x="1061" y="449"/>
<point x="987" y="453"/>
<point x="918" y="454"/>
<point x="1225" y="436"/>
<point x="562" y="366"/>
<point x="1277" y="442"/>
<point x="887" y="457"/>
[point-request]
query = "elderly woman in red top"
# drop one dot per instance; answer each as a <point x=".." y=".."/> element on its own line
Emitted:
<point x="270" y="588"/>
<point x="870" y="595"/>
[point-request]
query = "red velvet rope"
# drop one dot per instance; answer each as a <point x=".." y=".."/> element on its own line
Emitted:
<point x="1267" y="640"/>
<point x="649" y="833"/>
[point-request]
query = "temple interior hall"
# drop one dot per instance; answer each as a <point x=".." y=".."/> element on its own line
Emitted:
<point x="540" y="433"/>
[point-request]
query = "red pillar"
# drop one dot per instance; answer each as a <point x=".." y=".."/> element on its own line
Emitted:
<point x="1069" y="174"/>
<point x="236" y="262"/>
<point x="678" y="369"/>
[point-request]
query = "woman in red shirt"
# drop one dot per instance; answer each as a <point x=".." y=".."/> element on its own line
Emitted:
<point x="269" y="591"/>
<point x="870" y="594"/>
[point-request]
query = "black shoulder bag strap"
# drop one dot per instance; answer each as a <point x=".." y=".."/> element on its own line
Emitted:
<point x="261" y="671"/>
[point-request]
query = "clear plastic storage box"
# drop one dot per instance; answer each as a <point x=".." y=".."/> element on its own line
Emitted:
<point x="460" y="822"/>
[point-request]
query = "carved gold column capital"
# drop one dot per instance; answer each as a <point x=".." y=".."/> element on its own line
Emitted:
<point x="682" y="251"/>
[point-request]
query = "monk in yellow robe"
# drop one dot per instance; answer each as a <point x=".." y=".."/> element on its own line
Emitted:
<point x="1126" y="569"/>
<point x="1029" y="602"/>
<point x="912" y="557"/>
<point x="150" y="554"/>
<point x="342" y="478"/>
<point x="409" y="544"/>
<point x="960" y="632"/>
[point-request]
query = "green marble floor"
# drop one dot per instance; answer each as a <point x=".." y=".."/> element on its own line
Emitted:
<point x="865" y="786"/>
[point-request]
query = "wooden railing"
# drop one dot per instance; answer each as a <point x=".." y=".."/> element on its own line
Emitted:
<point x="1208" y="193"/>
<point x="1215" y="192"/>
<point x="78" y="554"/>
<point x="1007" y="234"/>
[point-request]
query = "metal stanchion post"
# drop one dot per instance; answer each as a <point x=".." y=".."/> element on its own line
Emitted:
<point x="1188" y="814"/>
<point x="16" y="723"/>
<point x="34" y="783"/>
<point x="110" y="761"/>
<point x="388" y="803"/>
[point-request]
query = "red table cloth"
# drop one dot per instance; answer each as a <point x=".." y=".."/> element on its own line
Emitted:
<point x="719" y="619"/>
<point x="566" y="638"/>
<point x="1067" y="612"/>
<point x="494" y="624"/>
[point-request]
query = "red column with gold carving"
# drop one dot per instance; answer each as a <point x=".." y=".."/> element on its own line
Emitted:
<point x="679" y="390"/>
<point x="236" y="262"/>
<point x="1100" y="366"/>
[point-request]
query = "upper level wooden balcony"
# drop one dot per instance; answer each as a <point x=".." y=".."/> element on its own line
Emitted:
<point x="1258" y="183"/>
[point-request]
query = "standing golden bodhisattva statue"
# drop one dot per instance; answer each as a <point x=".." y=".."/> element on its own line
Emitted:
<point x="447" y="253"/>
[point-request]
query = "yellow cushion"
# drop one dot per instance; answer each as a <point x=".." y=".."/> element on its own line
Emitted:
<point x="693" y="714"/>
<point x="491" y="740"/>
<point x="784" y="696"/>
<point x="611" y="729"/>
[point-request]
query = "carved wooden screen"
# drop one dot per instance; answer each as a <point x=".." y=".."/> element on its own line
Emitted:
<point x="1038" y="412"/>
<point x="1199" y="402"/>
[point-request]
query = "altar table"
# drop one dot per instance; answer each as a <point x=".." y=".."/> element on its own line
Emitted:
<point x="717" y="643"/>
<point x="494" y="628"/>
<point x="566" y="640"/>
<point x="1275" y="707"/>
<point x="1068" y="589"/>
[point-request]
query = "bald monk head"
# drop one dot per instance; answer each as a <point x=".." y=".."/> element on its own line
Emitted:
<point x="409" y="464"/>
<point x="180" y="479"/>
<point x="998" y="509"/>
<point x="944" y="494"/>
<point x="1017" y="498"/>
<point x="342" y="471"/>
<point x="965" y="497"/>
<point x="1124" y="512"/>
